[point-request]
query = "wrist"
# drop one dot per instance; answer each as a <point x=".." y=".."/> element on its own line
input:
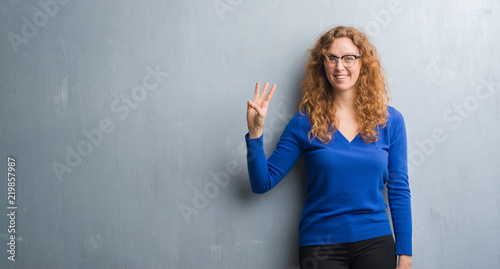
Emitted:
<point x="254" y="134"/>
<point x="404" y="259"/>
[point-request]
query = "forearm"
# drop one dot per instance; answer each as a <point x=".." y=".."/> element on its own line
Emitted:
<point x="257" y="165"/>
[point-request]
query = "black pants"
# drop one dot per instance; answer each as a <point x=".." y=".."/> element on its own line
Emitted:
<point x="378" y="252"/>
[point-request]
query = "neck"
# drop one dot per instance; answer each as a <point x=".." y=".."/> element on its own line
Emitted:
<point x="345" y="100"/>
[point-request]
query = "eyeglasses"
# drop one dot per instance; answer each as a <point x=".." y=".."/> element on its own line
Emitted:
<point x="347" y="60"/>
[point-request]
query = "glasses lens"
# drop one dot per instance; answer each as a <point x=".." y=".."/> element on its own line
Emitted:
<point x="330" y="61"/>
<point x="348" y="61"/>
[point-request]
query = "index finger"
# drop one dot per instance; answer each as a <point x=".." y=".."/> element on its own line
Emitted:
<point x="257" y="89"/>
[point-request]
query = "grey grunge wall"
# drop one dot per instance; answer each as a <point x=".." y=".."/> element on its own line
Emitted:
<point x="122" y="128"/>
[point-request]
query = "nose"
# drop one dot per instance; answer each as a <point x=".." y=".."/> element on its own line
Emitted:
<point x="339" y="65"/>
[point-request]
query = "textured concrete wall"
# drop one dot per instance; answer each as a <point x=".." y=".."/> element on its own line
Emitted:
<point x="126" y="122"/>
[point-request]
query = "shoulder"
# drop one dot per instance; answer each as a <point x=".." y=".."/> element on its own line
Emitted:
<point x="395" y="123"/>
<point x="300" y="115"/>
<point x="298" y="124"/>
<point x="299" y="118"/>
<point x="303" y="120"/>
<point x="394" y="116"/>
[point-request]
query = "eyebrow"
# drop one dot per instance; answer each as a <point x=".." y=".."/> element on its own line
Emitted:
<point x="349" y="53"/>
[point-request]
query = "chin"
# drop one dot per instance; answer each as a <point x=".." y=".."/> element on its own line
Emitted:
<point x="342" y="88"/>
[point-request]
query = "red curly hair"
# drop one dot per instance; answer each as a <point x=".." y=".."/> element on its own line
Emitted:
<point x="371" y="93"/>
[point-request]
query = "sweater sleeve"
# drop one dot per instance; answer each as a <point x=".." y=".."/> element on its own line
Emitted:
<point x="265" y="174"/>
<point x="398" y="189"/>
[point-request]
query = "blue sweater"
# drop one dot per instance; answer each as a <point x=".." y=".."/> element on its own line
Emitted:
<point x="344" y="202"/>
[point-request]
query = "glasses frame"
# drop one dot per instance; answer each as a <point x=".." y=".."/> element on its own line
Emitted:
<point x="326" y="62"/>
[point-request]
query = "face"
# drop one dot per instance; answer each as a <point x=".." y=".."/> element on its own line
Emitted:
<point x="343" y="78"/>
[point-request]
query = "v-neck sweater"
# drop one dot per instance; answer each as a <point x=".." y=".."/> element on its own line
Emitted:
<point x="345" y="200"/>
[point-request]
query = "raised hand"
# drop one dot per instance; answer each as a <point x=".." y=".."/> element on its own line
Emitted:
<point x="257" y="110"/>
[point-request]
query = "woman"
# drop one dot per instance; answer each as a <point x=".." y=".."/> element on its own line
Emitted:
<point x="353" y="145"/>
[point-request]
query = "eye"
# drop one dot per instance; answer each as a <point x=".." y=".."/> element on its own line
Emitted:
<point x="332" y="58"/>
<point x="349" y="59"/>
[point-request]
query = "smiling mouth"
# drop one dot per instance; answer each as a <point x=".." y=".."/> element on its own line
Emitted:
<point x="341" y="76"/>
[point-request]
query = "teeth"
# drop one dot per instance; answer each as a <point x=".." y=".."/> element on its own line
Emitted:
<point x="340" y="76"/>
